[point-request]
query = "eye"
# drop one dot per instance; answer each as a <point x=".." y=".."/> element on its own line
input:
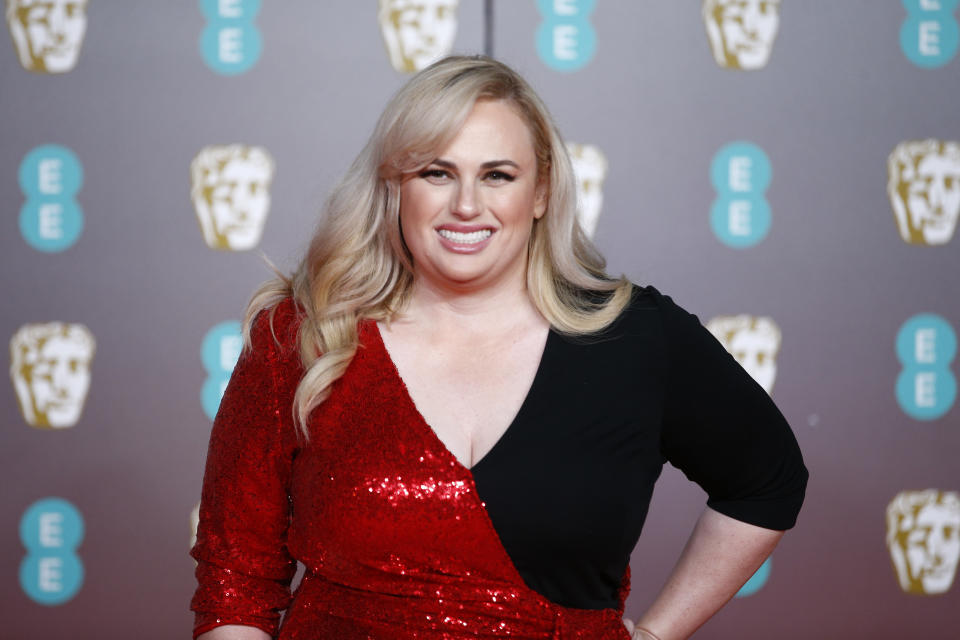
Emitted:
<point x="436" y="176"/>
<point x="498" y="176"/>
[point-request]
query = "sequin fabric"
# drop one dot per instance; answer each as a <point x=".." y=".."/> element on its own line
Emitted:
<point x="395" y="540"/>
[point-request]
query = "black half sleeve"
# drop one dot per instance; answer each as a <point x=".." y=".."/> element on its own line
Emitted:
<point x="722" y="429"/>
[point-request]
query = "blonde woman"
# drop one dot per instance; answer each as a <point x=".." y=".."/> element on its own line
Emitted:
<point x="454" y="418"/>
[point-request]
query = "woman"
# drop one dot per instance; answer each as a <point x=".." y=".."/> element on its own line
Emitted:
<point x="454" y="418"/>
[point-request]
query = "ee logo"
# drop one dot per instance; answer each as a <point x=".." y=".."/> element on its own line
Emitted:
<point x="566" y="41"/>
<point x="930" y="35"/>
<point x="230" y="43"/>
<point x="926" y="388"/>
<point x="740" y="215"/>
<point x="220" y="351"/>
<point x="50" y="176"/>
<point x="51" y="530"/>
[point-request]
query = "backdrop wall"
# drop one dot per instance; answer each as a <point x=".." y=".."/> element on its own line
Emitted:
<point x="790" y="173"/>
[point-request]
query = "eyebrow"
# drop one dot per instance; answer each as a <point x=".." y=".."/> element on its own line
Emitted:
<point x="486" y="165"/>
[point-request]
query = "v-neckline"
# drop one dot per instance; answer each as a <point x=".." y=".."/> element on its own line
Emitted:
<point x="537" y="377"/>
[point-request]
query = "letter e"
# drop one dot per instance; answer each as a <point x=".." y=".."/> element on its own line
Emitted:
<point x="565" y="41"/>
<point x="925" y="346"/>
<point x="738" y="218"/>
<point x="929" y="38"/>
<point x="49" y="574"/>
<point x="51" y="533"/>
<point x="925" y="389"/>
<point x="49" y="172"/>
<point x="230" y="347"/>
<point x="740" y="174"/>
<point x="230" y="40"/>
<point x="50" y="222"/>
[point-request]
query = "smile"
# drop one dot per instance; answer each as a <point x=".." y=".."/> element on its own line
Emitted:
<point x="472" y="237"/>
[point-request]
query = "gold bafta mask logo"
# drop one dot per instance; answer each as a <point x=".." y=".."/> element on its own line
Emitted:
<point x="741" y="32"/>
<point x="230" y="189"/>
<point x="590" y="169"/>
<point x="923" y="535"/>
<point x="47" y="33"/>
<point x="50" y="368"/>
<point x="924" y="190"/>
<point x="754" y="342"/>
<point x="417" y="32"/>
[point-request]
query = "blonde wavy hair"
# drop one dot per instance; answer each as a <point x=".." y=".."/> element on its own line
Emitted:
<point x="357" y="266"/>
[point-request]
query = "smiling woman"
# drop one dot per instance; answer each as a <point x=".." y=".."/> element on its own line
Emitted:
<point x="454" y="418"/>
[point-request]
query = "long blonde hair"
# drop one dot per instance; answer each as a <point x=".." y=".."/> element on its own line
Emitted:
<point x="357" y="266"/>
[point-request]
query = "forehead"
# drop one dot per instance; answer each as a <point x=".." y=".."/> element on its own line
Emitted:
<point x="493" y="130"/>
<point x="60" y="341"/>
<point x="753" y="336"/>
<point x="937" y="514"/>
<point x="935" y="163"/>
<point x="244" y="168"/>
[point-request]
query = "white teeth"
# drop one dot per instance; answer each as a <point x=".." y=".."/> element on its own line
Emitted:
<point x="465" y="238"/>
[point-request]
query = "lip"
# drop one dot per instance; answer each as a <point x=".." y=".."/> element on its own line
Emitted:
<point x="460" y="227"/>
<point x="456" y="247"/>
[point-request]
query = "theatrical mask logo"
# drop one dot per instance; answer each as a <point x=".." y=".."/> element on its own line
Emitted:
<point x="47" y="33"/>
<point x="924" y="189"/>
<point x="50" y="368"/>
<point x="417" y="32"/>
<point x="230" y="188"/>
<point x="741" y="32"/>
<point x="753" y="341"/>
<point x="923" y="535"/>
<point x="590" y="169"/>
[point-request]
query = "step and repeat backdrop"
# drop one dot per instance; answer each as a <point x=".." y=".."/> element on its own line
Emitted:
<point x="789" y="171"/>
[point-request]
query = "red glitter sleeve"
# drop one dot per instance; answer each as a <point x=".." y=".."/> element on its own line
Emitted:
<point x="244" y="568"/>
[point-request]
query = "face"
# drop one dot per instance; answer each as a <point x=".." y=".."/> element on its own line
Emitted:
<point x="924" y="539"/>
<point x="746" y="30"/>
<point x="933" y="547"/>
<point x="933" y="198"/>
<point x="467" y="217"/>
<point x="48" y="33"/>
<point x="233" y="201"/>
<point x="418" y="32"/>
<point x="53" y="379"/>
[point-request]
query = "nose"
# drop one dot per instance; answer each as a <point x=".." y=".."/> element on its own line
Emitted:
<point x="57" y="18"/>
<point x="936" y="195"/>
<point x="465" y="203"/>
<point x="751" y="19"/>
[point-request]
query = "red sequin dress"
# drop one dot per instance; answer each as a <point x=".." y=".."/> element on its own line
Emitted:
<point x="395" y="540"/>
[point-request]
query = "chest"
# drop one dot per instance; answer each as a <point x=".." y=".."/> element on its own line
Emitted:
<point x="468" y="391"/>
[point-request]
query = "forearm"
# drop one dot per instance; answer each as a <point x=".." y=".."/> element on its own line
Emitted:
<point x="720" y="556"/>
<point x="234" y="632"/>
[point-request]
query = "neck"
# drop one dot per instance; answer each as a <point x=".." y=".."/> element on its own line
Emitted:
<point x="486" y="309"/>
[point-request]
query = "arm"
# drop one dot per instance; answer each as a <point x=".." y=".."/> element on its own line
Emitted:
<point x="234" y="632"/>
<point x="243" y="566"/>
<point x="725" y="433"/>
<point x="720" y="556"/>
